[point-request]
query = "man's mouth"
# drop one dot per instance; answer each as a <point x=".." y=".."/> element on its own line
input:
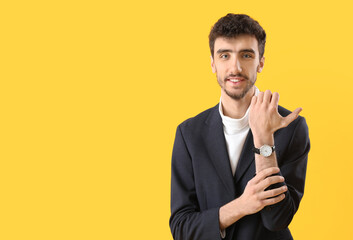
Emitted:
<point x="235" y="79"/>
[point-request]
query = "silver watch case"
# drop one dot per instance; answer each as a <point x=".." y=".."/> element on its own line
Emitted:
<point x="266" y="150"/>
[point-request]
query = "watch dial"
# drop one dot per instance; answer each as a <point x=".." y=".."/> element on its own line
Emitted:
<point x="266" y="151"/>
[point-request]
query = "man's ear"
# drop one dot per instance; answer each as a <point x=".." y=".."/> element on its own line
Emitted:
<point x="213" y="65"/>
<point x="261" y="64"/>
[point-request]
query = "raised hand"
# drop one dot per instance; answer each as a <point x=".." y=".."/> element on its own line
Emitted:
<point x="264" y="118"/>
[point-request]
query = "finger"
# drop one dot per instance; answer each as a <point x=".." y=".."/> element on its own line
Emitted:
<point x="265" y="173"/>
<point x="291" y="117"/>
<point x="275" y="99"/>
<point x="262" y="185"/>
<point x="273" y="192"/>
<point x="253" y="100"/>
<point x="260" y="97"/>
<point x="267" y="97"/>
<point x="274" y="200"/>
<point x="297" y="111"/>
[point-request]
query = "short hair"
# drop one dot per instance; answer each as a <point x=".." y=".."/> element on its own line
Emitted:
<point x="233" y="25"/>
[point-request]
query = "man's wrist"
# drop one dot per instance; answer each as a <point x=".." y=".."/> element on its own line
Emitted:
<point x="262" y="139"/>
<point x="230" y="213"/>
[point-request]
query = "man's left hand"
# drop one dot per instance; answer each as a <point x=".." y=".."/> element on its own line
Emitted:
<point x="264" y="118"/>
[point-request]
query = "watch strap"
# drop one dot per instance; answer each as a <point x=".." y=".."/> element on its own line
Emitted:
<point x="257" y="150"/>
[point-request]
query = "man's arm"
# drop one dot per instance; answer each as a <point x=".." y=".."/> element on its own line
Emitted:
<point x="293" y="169"/>
<point x="187" y="221"/>
<point x="264" y="121"/>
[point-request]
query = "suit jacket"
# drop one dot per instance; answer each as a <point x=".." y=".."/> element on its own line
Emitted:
<point x="202" y="180"/>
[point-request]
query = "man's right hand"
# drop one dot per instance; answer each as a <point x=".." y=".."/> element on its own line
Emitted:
<point x="255" y="198"/>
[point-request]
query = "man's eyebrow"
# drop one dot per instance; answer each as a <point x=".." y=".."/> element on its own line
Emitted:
<point x="248" y="50"/>
<point x="222" y="50"/>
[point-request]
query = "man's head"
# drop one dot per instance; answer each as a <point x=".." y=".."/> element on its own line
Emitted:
<point x="237" y="45"/>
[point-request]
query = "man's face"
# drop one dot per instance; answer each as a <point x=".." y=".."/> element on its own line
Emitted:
<point x="236" y="63"/>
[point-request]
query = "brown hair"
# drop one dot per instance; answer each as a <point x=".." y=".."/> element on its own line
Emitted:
<point x="233" y="25"/>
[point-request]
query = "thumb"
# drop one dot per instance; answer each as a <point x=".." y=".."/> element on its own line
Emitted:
<point x="291" y="117"/>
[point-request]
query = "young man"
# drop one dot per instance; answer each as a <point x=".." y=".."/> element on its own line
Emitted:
<point x="238" y="169"/>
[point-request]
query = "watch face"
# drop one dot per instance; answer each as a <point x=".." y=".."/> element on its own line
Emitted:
<point x="265" y="150"/>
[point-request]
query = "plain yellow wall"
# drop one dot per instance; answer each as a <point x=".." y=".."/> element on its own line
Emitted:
<point x="92" y="92"/>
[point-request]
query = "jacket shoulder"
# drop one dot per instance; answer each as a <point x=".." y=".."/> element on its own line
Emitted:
<point x="283" y="111"/>
<point x="196" y="121"/>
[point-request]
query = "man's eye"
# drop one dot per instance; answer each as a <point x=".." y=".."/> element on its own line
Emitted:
<point x="247" y="55"/>
<point x="224" y="56"/>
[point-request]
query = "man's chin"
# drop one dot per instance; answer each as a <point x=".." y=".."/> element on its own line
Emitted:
<point x="237" y="95"/>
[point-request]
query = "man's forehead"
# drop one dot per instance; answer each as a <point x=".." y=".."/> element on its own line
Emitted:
<point x="237" y="43"/>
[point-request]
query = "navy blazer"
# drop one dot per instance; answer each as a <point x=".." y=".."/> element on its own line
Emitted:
<point x="202" y="180"/>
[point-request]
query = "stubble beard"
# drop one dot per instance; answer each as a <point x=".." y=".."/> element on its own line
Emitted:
<point x="241" y="95"/>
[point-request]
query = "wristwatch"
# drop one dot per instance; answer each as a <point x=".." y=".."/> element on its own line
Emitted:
<point x="265" y="150"/>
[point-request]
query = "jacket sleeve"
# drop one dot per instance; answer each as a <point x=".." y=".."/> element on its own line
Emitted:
<point x="293" y="169"/>
<point x="187" y="221"/>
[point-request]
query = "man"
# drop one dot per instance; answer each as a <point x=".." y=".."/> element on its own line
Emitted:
<point x="238" y="169"/>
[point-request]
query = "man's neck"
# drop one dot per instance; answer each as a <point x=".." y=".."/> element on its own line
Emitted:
<point x="236" y="108"/>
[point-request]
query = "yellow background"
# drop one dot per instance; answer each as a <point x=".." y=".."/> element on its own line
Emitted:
<point x="92" y="93"/>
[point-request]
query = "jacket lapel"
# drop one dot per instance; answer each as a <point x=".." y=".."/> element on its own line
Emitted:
<point x="216" y="147"/>
<point x="246" y="157"/>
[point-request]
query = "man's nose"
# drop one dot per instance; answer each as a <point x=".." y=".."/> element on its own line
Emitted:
<point x="236" y="66"/>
